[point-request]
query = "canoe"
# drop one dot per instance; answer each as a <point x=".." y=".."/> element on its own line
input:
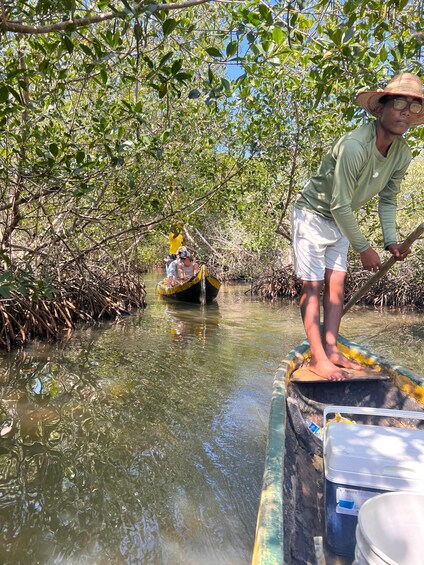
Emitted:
<point x="203" y="287"/>
<point x="291" y="519"/>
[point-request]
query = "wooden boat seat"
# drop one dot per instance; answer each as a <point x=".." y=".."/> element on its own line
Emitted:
<point x="305" y="375"/>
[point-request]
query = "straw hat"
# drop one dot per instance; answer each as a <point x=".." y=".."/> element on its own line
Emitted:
<point x="405" y="84"/>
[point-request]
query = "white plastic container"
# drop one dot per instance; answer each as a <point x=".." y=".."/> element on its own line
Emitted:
<point x="390" y="530"/>
<point x="362" y="461"/>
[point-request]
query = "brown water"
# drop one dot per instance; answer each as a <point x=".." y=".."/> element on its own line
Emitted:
<point x="143" y="442"/>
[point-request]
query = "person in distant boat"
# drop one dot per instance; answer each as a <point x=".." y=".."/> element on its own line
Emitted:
<point x="173" y="273"/>
<point x="174" y="267"/>
<point x="371" y="160"/>
<point x="176" y="240"/>
<point x="187" y="266"/>
<point x="168" y="260"/>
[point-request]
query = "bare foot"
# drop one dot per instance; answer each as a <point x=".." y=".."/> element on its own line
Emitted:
<point x="328" y="370"/>
<point x="336" y="357"/>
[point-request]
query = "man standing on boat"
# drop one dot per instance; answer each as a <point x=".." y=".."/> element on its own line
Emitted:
<point x="371" y="160"/>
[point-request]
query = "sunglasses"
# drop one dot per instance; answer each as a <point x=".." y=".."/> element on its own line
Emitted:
<point x="401" y="103"/>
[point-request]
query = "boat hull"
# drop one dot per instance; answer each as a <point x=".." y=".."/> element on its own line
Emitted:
<point x="278" y="506"/>
<point x="203" y="287"/>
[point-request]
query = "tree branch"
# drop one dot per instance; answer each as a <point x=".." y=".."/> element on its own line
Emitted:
<point x="18" y="27"/>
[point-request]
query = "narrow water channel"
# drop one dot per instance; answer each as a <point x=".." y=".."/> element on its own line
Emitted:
<point x="142" y="442"/>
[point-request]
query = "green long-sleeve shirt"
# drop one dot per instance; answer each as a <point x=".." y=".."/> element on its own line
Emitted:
<point x="351" y="174"/>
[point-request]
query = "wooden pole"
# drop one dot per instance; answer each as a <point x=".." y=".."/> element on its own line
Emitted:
<point x="202" y="285"/>
<point x="406" y="244"/>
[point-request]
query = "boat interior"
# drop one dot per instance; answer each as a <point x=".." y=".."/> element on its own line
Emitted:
<point x="303" y="488"/>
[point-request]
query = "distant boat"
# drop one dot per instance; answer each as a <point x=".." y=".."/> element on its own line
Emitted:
<point x="292" y="513"/>
<point x="203" y="287"/>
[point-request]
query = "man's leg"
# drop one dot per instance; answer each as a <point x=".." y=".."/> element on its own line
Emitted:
<point x="333" y="310"/>
<point x="310" y="310"/>
<point x="313" y="239"/>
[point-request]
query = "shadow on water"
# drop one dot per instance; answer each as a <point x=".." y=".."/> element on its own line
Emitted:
<point x="143" y="441"/>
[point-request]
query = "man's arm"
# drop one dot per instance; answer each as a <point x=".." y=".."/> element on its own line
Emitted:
<point x="394" y="249"/>
<point x="387" y="206"/>
<point x="350" y="163"/>
<point x="370" y="259"/>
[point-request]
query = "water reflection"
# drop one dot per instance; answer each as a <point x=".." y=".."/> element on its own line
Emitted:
<point x="188" y="320"/>
<point x="111" y="459"/>
<point x="143" y="441"/>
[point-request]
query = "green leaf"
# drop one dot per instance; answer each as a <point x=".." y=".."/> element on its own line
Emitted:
<point x="103" y="75"/>
<point x="265" y="46"/>
<point x="348" y="34"/>
<point x="266" y="14"/>
<point x="6" y="276"/>
<point x="319" y="93"/>
<point x="129" y="107"/>
<point x="82" y="190"/>
<point x="348" y="113"/>
<point x="80" y="156"/>
<point x="251" y="37"/>
<point x="231" y="48"/>
<point x="44" y="66"/>
<point x="165" y="59"/>
<point x="149" y="62"/>
<point x="213" y="52"/>
<point x="194" y="94"/>
<point x="54" y="149"/>
<point x="67" y="42"/>
<point x="4" y="93"/>
<point x="15" y="94"/>
<point x="278" y="35"/>
<point x="6" y="290"/>
<point x="162" y="90"/>
<point x="348" y="7"/>
<point x="226" y="84"/>
<point x="335" y="35"/>
<point x="86" y="50"/>
<point x="168" y="26"/>
<point x="183" y="76"/>
<point x="176" y="66"/>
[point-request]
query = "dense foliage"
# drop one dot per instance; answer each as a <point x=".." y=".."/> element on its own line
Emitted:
<point x="119" y="118"/>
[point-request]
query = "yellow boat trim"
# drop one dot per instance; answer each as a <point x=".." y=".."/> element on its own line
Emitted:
<point x="203" y="272"/>
<point x="403" y="379"/>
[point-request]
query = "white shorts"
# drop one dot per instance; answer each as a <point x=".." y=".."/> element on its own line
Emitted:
<point x="318" y="244"/>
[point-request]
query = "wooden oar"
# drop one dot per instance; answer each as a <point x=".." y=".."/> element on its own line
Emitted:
<point x="406" y="244"/>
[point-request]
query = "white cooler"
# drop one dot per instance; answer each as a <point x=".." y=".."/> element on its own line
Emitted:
<point x="362" y="460"/>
